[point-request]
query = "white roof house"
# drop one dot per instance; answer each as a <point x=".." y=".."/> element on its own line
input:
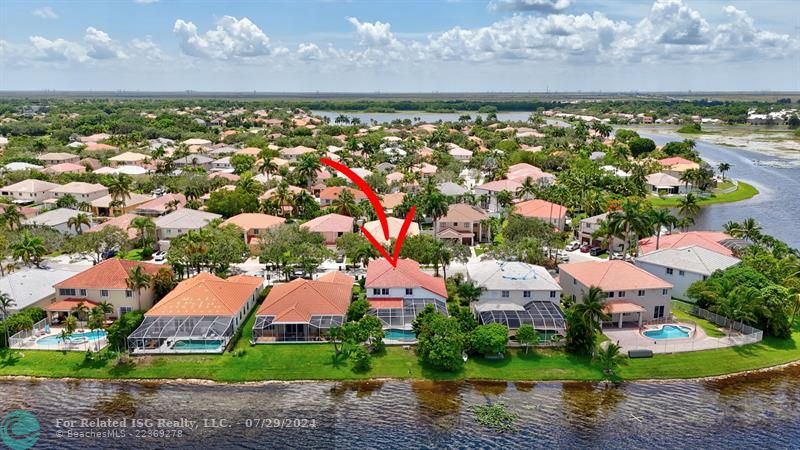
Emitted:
<point x="180" y="221"/>
<point x="83" y="192"/>
<point x="34" y="287"/>
<point x="451" y="189"/>
<point x="57" y="219"/>
<point x="30" y="190"/>
<point x="493" y="275"/>
<point x="17" y="165"/>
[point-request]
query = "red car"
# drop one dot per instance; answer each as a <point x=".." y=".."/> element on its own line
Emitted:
<point x="585" y="248"/>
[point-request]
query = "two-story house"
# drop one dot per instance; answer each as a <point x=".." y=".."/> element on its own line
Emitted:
<point x="464" y="223"/>
<point x="180" y="222"/>
<point x="632" y="293"/>
<point x="29" y="191"/>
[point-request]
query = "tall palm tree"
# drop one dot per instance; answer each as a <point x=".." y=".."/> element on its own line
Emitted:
<point x="172" y="205"/>
<point x="120" y="187"/>
<point x="750" y="229"/>
<point x="137" y="280"/>
<point x="29" y="249"/>
<point x="661" y="218"/>
<point x="687" y="206"/>
<point x="723" y="168"/>
<point x="6" y="302"/>
<point x="609" y="357"/>
<point x="78" y="221"/>
<point x="527" y="189"/>
<point x="688" y="177"/>
<point x="283" y="195"/>
<point x="307" y="168"/>
<point x="435" y="206"/>
<point x="591" y="309"/>
<point x="267" y="167"/>
<point x="345" y="204"/>
<point x="628" y="221"/>
<point x="12" y="217"/>
<point x="144" y="227"/>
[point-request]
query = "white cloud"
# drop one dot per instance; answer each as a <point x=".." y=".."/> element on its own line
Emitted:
<point x="147" y="49"/>
<point x="101" y="46"/>
<point x="145" y="2"/>
<point x="309" y="52"/>
<point x="232" y="38"/>
<point x="57" y="50"/>
<point x="544" y="6"/>
<point x="377" y="34"/>
<point x="45" y="12"/>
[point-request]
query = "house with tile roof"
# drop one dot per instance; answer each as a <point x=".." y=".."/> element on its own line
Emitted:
<point x="304" y="310"/>
<point x="522" y="171"/>
<point x="129" y="159"/>
<point x="161" y="205"/>
<point x="549" y="212"/>
<point x="682" y="266"/>
<point x="180" y="222"/>
<point x="666" y="184"/>
<point x="103" y="206"/>
<point x="200" y="315"/>
<point x="105" y="282"/>
<point x="710" y="240"/>
<point x="330" y="226"/>
<point x="29" y="191"/>
<point x="51" y="159"/>
<point x="395" y="225"/>
<point x="329" y="194"/>
<point x="397" y="294"/>
<point x="253" y="225"/>
<point x="292" y="154"/>
<point x="463" y="223"/>
<point x="58" y="219"/>
<point x="80" y="191"/>
<point x="677" y="165"/>
<point x="633" y="294"/>
<point x="57" y="169"/>
<point x="487" y="193"/>
<point x="122" y="222"/>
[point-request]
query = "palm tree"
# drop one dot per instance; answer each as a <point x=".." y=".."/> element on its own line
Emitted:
<point x="609" y="357"/>
<point x="630" y="220"/>
<point x="29" y="249"/>
<point x="6" y="302"/>
<point x="120" y="187"/>
<point x="684" y="223"/>
<point x="137" y="280"/>
<point x="688" y="177"/>
<point x="435" y="206"/>
<point x="172" y="205"/>
<point x="12" y="217"/>
<point x="78" y="221"/>
<point x="732" y="228"/>
<point x="504" y="198"/>
<point x="688" y="207"/>
<point x="723" y="167"/>
<point x="307" y="168"/>
<point x="143" y="227"/>
<point x="661" y="218"/>
<point x="750" y="230"/>
<point x="591" y="309"/>
<point x="283" y="195"/>
<point x="527" y="189"/>
<point x="345" y="204"/>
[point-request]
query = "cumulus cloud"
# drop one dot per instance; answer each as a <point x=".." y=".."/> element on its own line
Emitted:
<point x="543" y="6"/>
<point x="377" y="34"/>
<point x="147" y="49"/>
<point x="232" y="38"/>
<point x="57" y="50"/>
<point x="45" y="12"/>
<point x="101" y="46"/>
<point x="309" y="52"/>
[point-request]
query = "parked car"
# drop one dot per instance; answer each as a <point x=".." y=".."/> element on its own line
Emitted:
<point x="572" y="246"/>
<point x="597" y="251"/>
<point x="300" y="273"/>
<point x="340" y="258"/>
<point x="109" y="254"/>
<point x="562" y="258"/>
<point x="616" y="255"/>
<point x="159" y="256"/>
<point x="585" y="248"/>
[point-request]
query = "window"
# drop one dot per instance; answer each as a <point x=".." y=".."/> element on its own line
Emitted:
<point x="83" y="292"/>
<point x="103" y="293"/>
<point x="409" y="291"/>
<point x="681" y="273"/>
<point x="664" y="292"/>
<point x="504" y="294"/>
<point x="384" y="291"/>
<point x="124" y="309"/>
<point x="610" y="295"/>
<point x="621" y="294"/>
<point x="466" y="224"/>
<point x="658" y="312"/>
<point x="641" y="292"/>
<point x="376" y="292"/>
<point x="574" y="281"/>
<point x="553" y="294"/>
<point x="669" y="270"/>
<point x="70" y="292"/>
<point x="526" y="294"/>
<point x="128" y="294"/>
<point x="705" y="277"/>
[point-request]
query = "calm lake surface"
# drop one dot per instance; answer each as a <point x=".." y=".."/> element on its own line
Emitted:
<point x="755" y="411"/>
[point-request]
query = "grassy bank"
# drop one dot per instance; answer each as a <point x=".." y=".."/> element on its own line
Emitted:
<point x="745" y="191"/>
<point x="316" y="362"/>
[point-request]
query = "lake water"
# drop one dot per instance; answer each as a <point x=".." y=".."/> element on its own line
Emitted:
<point x="755" y="411"/>
<point x="367" y="118"/>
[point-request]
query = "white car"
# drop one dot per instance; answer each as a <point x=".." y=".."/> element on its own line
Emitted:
<point x="159" y="256"/>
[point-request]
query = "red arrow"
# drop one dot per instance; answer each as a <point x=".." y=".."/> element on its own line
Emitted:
<point x="376" y="205"/>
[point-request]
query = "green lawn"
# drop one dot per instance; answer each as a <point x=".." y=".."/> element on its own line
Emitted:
<point x="710" y="328"/>
<point x="744" y="192"/>
<point x="316" y="362"/>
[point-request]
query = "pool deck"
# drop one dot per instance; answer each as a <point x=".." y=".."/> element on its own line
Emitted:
<point x="32" y="343"/>
<point x="630" y="338"/>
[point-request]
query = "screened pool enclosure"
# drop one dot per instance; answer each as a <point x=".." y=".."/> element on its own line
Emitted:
<point x="401" y="317"/>
<point x="316" y="329"/>
<point x="541" y="315"/>
<point x="182" y="334"/>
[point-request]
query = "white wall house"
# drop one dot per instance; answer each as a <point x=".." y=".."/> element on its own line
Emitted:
<point x="513" y="282"/>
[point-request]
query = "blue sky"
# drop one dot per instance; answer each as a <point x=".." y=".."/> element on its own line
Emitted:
<point x="400" y="46"/>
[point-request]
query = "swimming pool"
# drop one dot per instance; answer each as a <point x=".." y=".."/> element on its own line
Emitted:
<point x="91" y="336"/>
<point x="399" y="335"/>
<point x="669" y="332"/>
<point x="197" y="345"/>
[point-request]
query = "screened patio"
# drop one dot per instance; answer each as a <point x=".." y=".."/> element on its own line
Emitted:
<point x="400" y="318"/>
<point x="315" y="330"/>
<point x="541" y="315"/>
<point x="182" y="334"/>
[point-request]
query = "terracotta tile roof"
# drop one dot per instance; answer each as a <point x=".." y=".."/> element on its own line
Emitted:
<point x="395" y="224"/>
<point x="254" y="221"/>
<point x="79" y="187"/>
<point x="540" y="209"/>
<point x="676" y="160"/>
<point x="332" y="193"/>
<point x="621" y="306"/>
<point x="393" y="200"/>
<point x="122" y="221"/>
<point x="519" y="172"/>
<point x="109" y="274"/>
<point x="709" y="240"/>
<point x="207" y="295"/>
<point x="330" y="223"/>
<point x="159" y="205"/>
<point x="69" y="303"/>
<point x="407" y="274"/>
<point x="613" y="275"/>
<point x="500" y="185"/>
<point x="65" y="167"/>
<point x="462" y="212"/>
<point x="299" y="300"/>
<point x="385" y="303"/>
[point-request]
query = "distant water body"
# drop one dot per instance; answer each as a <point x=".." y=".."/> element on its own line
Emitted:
<point x="755" y="411"/>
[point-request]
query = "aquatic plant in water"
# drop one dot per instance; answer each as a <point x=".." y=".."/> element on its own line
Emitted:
<point x="495" y="416"/>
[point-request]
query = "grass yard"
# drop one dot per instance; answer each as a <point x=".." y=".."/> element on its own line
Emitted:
<point x="710" y="328"/>
<point x="745" y="191"/>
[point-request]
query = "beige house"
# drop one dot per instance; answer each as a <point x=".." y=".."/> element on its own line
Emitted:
<point x="51" y="159"/>
<point x="253" y="224"/>
<point x="463" y="223"/>
<point x="180" y="222"/>
<point x="129" y="159"/>
<point x="82" y="192"/>
<point x="27" y="191"/>
<point x="102" y="205"/>
<point x="105" y="282"/>
<point x="331" y="226"/>
<point x="292" y="154"/>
